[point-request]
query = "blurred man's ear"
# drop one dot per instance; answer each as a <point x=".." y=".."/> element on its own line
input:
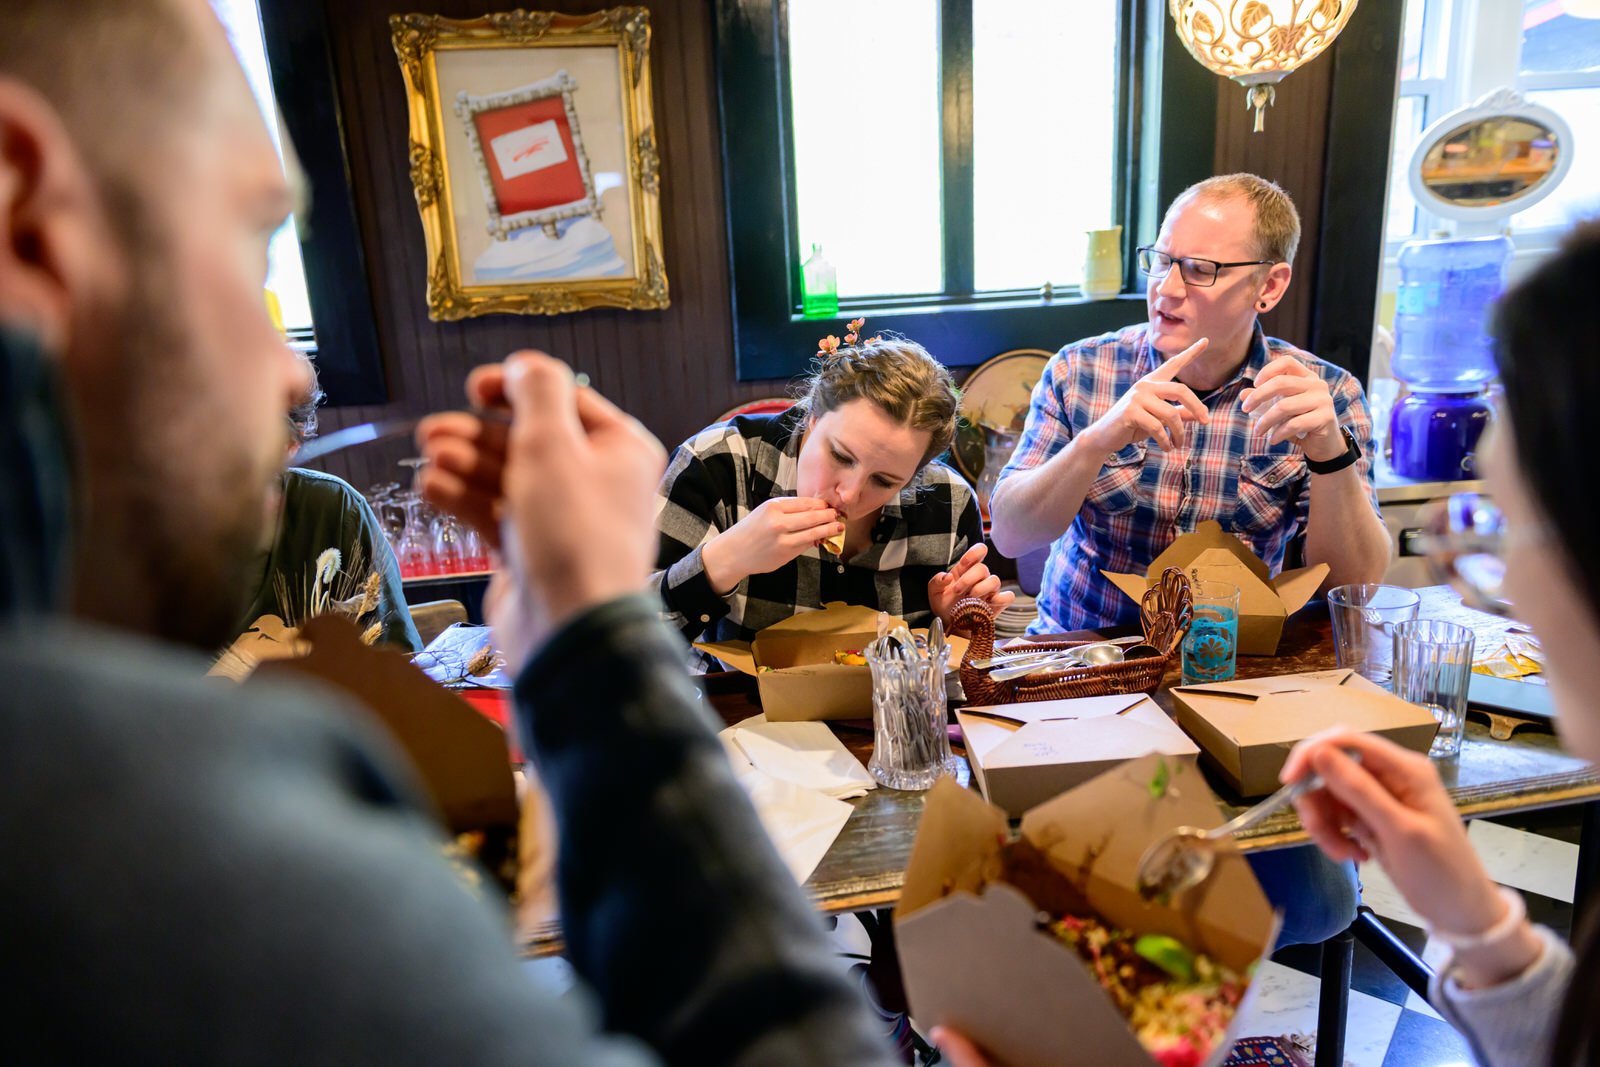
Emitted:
<point x="49" y="219"/>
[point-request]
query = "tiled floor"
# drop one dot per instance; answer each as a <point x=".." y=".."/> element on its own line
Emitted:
<point x="1390" y="1026"/>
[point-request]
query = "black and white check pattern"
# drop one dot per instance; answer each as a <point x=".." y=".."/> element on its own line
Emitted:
<point x="1390" y="1026"/>
<point x="728" y="470"/>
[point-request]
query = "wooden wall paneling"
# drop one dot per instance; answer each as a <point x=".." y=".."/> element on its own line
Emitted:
<point x="1289" y="151"/>
<point x="673" y="369"/>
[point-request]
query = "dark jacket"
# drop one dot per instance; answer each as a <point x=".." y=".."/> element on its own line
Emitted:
<point x="200" y="874"/>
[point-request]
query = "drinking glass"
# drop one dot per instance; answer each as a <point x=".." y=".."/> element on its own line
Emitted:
<point x="450" y="551"/>
<point x="414" y="552"/>
<point x="1211" y="646"/>
<point x="1433" y="669"/>
<point x="1364" y="617"/>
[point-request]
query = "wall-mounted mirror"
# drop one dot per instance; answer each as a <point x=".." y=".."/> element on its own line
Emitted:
<point x="1499" y="156"/>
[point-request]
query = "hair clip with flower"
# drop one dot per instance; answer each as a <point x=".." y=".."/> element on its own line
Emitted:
<point x="829" y="345"/>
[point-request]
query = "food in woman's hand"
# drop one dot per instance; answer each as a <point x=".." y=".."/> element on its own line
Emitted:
<point x="1179" y="1002"/>
<point x="850" y="657"/>
<point x="835" y="544"/>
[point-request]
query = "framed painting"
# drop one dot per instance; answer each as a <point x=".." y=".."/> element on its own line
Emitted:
<point x="534" y="161"/>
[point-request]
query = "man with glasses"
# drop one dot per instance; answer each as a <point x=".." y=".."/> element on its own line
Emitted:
<point x="1137" y="437"/>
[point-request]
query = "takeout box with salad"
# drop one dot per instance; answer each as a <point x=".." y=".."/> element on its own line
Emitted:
<point x="1043" y="951"/>
<point x="812" y="665"/>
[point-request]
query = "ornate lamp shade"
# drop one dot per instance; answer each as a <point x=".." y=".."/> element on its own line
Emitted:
<point x="1257" y="42"/>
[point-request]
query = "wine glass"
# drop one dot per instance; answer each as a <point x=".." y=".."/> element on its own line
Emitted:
<point x="450" y="552"/>
<point x="414" y="551"/>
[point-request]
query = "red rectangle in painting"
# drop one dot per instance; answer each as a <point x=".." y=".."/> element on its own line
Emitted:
<point x="534" y="135"/>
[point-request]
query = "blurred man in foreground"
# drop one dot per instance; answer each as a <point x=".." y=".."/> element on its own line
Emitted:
<point x="200" y="875"/>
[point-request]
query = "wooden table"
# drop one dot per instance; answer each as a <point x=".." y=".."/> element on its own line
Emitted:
<point x="866" y="865"/>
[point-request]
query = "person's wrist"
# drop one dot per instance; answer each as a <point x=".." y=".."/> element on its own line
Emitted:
<point x="1324" y="447"/>
<point x="1492" y="965"/>
<point x="716" y="561"/>
<point x="1491" y="941"/>
<point x="1096" y="443"/>
<point x="574" y="591"/>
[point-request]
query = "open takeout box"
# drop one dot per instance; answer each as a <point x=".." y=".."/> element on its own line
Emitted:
<point x="1212" y="554"/>
<point x="792" y="662"/>
<point x="460" y="756"/>
<point x="1023" y="754"/>
<point x="1247" y="726"/>
<point x="973" y="954"/>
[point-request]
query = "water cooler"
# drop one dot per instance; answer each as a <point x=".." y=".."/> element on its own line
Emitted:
<point x="1443" y="353"/>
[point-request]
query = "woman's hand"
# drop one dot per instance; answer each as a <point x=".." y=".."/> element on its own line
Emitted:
<point x="968" y="578"/>
<point x="770" y="536"/>
<point x="956" y="1048"/>
<point x="1391" y="807"/>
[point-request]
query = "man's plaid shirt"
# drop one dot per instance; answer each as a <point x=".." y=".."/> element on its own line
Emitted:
<point x="1145" y="497"/>
<point x="728" y="470"/>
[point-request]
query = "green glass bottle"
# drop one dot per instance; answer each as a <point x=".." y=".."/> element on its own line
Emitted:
<point x="819" y="284"/>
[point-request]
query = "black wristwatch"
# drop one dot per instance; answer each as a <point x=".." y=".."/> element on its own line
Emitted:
<point x="1352" y="452"/>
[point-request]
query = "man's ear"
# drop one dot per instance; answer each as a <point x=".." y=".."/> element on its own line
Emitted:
<point x="49" y="218"/>
<point x="1277" y="283"/>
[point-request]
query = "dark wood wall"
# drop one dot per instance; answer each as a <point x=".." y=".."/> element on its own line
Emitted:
<point x="1290" y="150"/>
<point x="674" y="369"/>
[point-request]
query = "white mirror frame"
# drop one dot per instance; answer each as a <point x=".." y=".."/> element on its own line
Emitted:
<point x="1502" y="103"/>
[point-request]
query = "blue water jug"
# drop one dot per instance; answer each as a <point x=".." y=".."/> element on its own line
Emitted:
<point x="1441" y="319"/>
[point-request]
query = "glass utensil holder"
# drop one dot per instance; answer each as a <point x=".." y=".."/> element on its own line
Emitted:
<point x="911" y="742"/>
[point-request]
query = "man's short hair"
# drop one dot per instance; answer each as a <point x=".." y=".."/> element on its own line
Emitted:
<point x="114" y="71"/>
<point x="1277" y="229"/>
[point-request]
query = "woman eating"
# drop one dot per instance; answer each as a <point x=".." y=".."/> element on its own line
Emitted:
<point x="765" y="516"/>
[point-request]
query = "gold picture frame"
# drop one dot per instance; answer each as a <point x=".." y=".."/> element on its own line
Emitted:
<point x="534" y="162"/>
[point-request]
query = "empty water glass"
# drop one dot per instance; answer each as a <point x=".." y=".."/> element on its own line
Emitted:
<point x="1364" y="617"/>
<point x="1433" y="670"/>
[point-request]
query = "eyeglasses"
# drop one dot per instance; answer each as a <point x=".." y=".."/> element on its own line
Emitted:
<point x="1465" y="538"/>
<point x="1157" y="264"/>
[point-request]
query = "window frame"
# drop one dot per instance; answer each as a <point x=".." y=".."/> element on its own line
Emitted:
<point x="344" y="335"/>
<point x="1166" y="123"/>
<point x="1466" y="57"/>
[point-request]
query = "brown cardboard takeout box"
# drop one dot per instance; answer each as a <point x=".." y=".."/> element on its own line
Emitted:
<point x="1212" y="554"/>
<point x="1025" y="753"/>
<point x="1247" y="726"/>
<point x="460" y="756"/>
<point x="973" y="954"/>
<point x="792" y="662"/>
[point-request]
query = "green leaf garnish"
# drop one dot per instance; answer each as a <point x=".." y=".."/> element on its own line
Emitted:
<point x="1158" y="784"/>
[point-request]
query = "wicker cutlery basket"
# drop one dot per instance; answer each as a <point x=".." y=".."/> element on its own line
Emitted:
<point x="1164" y="616"/>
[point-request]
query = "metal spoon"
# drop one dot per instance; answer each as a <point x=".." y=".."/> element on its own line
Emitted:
<point x="1047" y="653"/>
<point x="1186" y="856"/>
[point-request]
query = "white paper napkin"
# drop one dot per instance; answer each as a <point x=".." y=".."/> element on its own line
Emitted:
<point x="800" y="817"/>
<point x="806" y="754"/>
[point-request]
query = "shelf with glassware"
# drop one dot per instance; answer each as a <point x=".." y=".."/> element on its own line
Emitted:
<point x="429" y="546"/>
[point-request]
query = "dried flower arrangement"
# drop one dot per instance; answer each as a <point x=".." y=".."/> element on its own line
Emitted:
<point x="331" y="588"/>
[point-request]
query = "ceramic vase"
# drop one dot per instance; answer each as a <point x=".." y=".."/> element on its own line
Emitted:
<point x="1102" y="264"/>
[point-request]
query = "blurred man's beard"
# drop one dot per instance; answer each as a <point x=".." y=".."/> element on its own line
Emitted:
<point x="172" y="503"/>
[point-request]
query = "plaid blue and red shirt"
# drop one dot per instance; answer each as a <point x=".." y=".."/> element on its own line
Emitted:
<point x="1145" y="496"/>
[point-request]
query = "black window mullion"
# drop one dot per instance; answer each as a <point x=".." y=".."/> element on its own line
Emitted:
<point x="955" y="90"/>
